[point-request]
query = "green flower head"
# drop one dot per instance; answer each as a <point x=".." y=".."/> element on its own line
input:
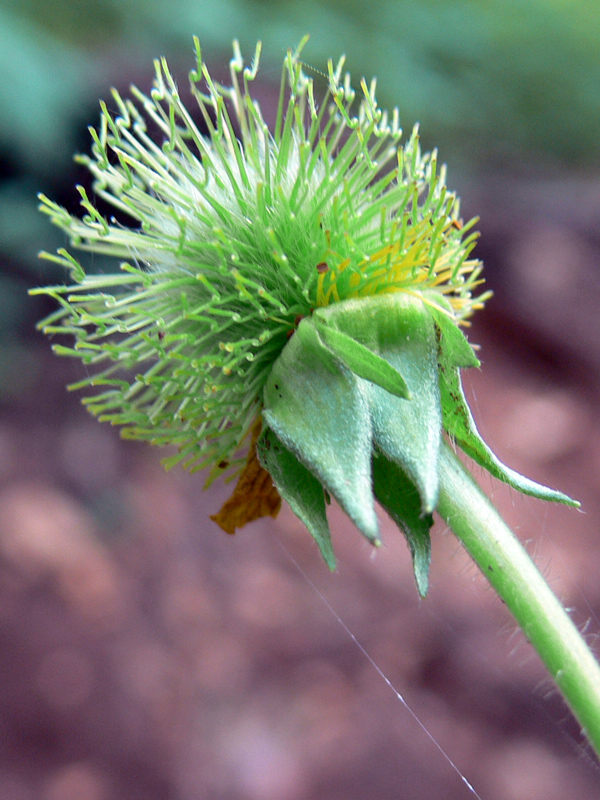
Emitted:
<point x="287" y="309"/>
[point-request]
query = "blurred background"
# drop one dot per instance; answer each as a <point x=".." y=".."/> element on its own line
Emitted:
<point x="144" y="653"/>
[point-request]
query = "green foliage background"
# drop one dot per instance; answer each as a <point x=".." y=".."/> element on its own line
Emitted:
<point x="489" y="79"/>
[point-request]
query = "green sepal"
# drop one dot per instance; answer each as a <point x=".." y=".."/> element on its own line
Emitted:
<point x="460" y="426"/>
<point x="299" y="488"/>
<point x="398" y="495"/>
<point x="453" y="343"/>
<point x="320" y="411"/>
<point x="400" y="329"/>
<point x="360" y="360"/>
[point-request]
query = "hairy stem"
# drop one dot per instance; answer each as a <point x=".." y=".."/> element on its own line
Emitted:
<point x="509" y="569"/>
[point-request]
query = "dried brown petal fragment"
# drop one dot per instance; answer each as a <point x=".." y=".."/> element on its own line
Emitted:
<point x="254" y="495"/>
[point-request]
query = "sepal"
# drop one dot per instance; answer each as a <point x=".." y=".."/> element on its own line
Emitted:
<point x="455" y="349"/>
<point x="397" y="494"/>
<point x="407" y="431"/>
<point x="364" y="363"/>
<point x="398" y="329"/>
<point x="299" y="488"/>
<point x="319" y="410"/>
<point x="460" y="426"/>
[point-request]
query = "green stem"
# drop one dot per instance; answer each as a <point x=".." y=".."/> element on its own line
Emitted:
<point x="507" y="566"/>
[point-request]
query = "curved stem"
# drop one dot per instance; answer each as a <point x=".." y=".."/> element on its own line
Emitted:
<point x="507" y="566"/>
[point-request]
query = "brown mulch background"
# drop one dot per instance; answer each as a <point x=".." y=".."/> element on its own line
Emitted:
<point x="147" y="655"/>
